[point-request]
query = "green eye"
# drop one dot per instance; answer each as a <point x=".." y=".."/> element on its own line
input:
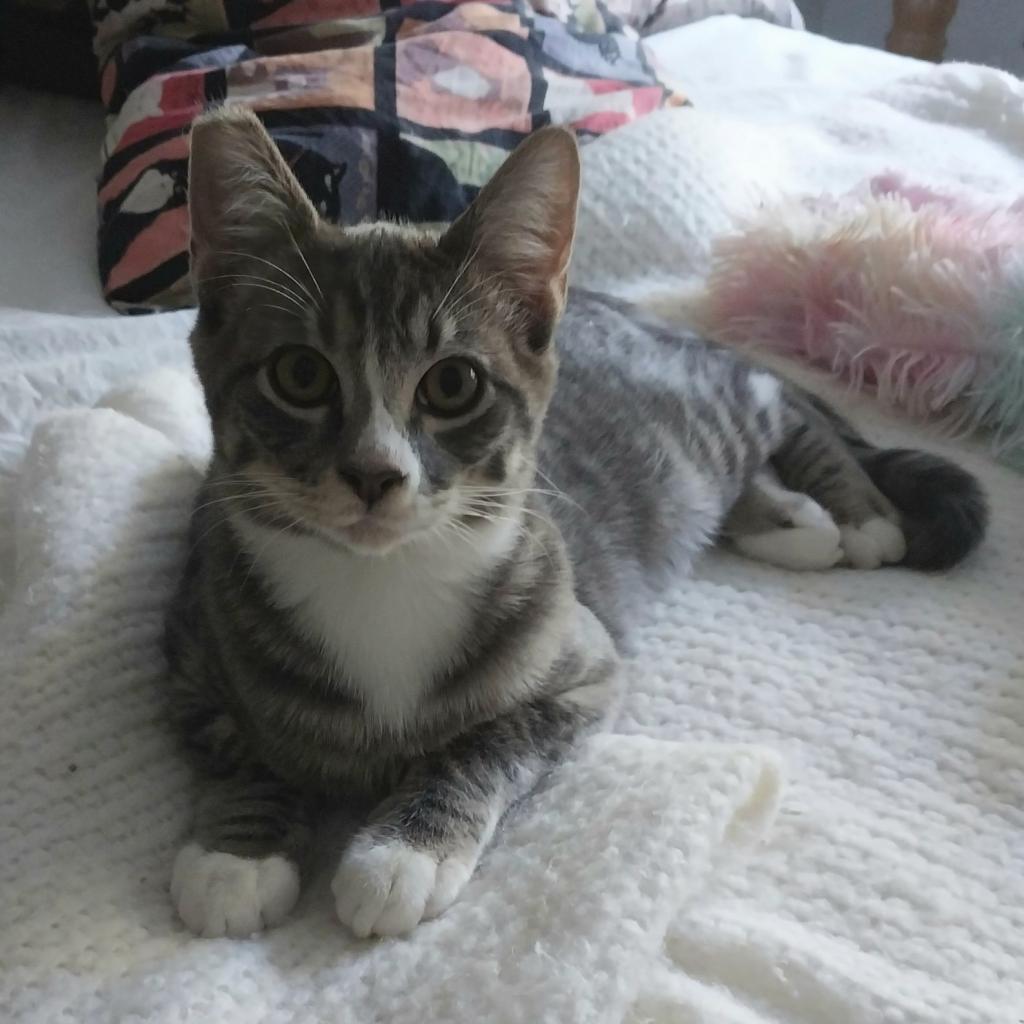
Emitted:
<point x="449" y="388"/>
<point x="301" y="376"/>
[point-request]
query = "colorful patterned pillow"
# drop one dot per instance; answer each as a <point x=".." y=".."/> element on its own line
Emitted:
<point x="396" y="111"/>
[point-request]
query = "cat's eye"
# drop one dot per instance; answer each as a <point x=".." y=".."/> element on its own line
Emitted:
<point x="301" y="376"/>
<point x="450" y="388"/>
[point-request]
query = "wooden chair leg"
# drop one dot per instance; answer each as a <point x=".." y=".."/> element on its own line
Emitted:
<point x="919" y="28"/>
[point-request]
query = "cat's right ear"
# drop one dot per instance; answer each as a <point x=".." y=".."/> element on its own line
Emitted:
<point x="243" y="198"/>
<point x="520" y="227"/>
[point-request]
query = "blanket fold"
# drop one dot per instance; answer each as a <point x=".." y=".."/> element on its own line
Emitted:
<point x="565" y="914"/>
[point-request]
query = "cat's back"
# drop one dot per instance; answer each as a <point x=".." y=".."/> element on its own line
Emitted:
<point x="626" y="380"/>
<point x="632" y="402"/>
<point x="601" y="336"/>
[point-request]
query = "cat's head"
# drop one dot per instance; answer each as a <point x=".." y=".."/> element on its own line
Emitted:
<point x="378" y="383"/>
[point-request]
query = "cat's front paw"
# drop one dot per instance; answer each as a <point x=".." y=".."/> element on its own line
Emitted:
<point x="219" y="894"/>
<point x="386" y="887"/>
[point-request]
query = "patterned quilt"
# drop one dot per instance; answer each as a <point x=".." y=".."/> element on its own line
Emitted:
<point x="383" y="109"/>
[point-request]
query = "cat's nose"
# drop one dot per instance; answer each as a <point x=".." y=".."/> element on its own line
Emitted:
<point x="372" y="482"/>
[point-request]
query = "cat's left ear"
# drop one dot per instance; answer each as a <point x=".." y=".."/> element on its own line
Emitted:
<point x="243" y="198"/>
<point x="520" y="228"/>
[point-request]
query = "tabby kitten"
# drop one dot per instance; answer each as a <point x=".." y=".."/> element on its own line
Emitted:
<point x="415" y="545"/>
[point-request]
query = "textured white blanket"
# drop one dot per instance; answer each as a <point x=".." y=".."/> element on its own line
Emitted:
<point x="893" y="889"/>
<point x="559" y="924"/>
<point x="779" y="113"/>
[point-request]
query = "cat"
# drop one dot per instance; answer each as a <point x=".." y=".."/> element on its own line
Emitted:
<point x="411" y="560"/>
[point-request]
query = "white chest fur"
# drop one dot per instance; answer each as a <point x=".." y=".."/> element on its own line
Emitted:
<point x="389" y="622"/>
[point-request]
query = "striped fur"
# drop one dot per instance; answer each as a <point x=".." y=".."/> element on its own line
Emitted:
<point x="442" y="644"/>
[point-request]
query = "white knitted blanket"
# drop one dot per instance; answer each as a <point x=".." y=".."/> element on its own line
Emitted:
<point x="559" y="924"/>
<point x="893" y="887"/>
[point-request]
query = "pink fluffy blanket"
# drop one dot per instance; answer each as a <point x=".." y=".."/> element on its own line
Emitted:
<point x="896" y="288"/>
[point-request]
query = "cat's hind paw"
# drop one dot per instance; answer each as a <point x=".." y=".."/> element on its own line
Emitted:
<point x="811" y="543"/>
<point x="219" y="894"/>
<point x="386" y="886"/>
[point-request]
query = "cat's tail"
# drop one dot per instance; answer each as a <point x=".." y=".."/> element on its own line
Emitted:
<point x="944" y="512"/>
<point x="943" y="508"/>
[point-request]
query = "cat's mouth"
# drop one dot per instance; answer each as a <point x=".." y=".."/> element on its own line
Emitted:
<point x="377" y="534"/>
<point x="376" y="531"/>
<point x="373" y="536"/>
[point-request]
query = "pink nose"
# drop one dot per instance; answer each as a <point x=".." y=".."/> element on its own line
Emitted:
<point x="371" y="483"/>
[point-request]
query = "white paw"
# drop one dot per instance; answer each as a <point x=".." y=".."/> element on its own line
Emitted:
<point x="220" y="894"/>
<point x="875" y="542"/>
<point x="811" y="543"/>
<point x="388" y="887"/>
<point x="805" y="511"/>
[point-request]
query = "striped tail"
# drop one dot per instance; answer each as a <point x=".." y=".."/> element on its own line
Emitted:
<point x="943" y="507"/>
<point x="944" y="510"/>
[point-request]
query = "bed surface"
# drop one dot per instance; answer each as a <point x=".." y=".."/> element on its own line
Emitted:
<point x="892" y="889"/>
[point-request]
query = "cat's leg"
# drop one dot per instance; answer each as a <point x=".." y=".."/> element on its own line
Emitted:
<point x="815" y="459"/>
<point x="423" y="843"/>
<point x="772" y="524"/>
<point x="239" y="872"/>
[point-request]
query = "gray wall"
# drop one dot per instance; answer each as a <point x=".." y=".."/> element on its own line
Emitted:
<point x="812" y="10"/>
<point x="983" y="31"/>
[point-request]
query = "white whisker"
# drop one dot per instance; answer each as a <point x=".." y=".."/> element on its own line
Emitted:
<point x="221" y="520"/>
<point x="270" y="263"/>
<point x="258" y="279"/>
<point x="309" y="270"/>
<point x="458" y="277"/>
<point x="555" y="489"/>
<point x="271" y="305"/>
<point x="459" y="312"/>
<point x="256" y="557"/>
<point x="275" y="291"/>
